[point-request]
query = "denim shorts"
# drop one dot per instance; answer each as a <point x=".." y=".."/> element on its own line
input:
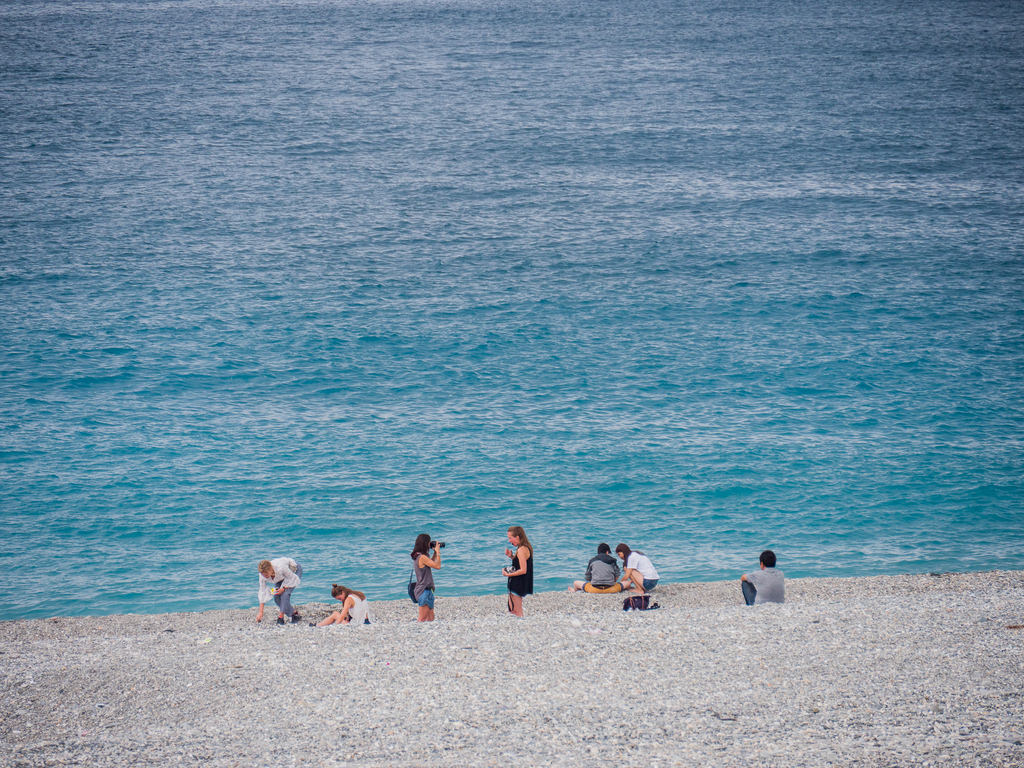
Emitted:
<point x="650" y="584"/>
<point x="426" y="599"/>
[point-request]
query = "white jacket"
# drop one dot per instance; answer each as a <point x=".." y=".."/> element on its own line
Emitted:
<point x="284" y="571"/>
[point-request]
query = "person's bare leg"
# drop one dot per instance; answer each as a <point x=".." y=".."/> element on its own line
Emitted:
<point x="334" y="618"/>
<point x="515" y="605"/>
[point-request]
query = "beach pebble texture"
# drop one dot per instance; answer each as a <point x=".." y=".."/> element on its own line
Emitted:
<point x="922" y="670"/>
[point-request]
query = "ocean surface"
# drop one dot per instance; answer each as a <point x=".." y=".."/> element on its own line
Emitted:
<point x="310" y="278"/>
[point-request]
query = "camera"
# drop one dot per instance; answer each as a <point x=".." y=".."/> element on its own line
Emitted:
<point x="439" y="544"/>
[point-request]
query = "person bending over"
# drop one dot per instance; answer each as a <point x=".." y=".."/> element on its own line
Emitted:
<point x="638" y="571"/>
<point x="767" y="585"/>
<point x="602" y="573"/>
<point x="355" y="607"/>
<point x="278" y="577"/>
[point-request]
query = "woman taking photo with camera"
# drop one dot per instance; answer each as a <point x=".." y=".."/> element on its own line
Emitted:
<point x="520" y="573"/>
<point x="423" y="567"/>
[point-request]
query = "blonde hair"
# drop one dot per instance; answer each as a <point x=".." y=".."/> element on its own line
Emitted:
<point x="265" y="566"/>
<point x="340" y="592"/>
<point x="519" y="533"/>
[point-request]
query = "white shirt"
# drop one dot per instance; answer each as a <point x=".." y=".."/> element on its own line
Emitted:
<point x="360" y="610"/>
<point x="284" y="571"/>
<point x="641" y="562"/>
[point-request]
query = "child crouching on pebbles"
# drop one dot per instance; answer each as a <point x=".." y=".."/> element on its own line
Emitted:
<point x="355" y="607"/>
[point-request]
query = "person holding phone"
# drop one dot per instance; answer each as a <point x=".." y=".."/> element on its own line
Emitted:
<point x="520" y="572"/>
<point x="423" y="566"/>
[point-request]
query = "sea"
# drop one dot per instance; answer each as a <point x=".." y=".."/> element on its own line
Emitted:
<point x="307" y="278"/>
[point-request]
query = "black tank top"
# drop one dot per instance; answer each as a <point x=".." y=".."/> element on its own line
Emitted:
<point x="523" y="583"/>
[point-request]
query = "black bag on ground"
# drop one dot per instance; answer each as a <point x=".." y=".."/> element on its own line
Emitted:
<point x="638" y="603"/>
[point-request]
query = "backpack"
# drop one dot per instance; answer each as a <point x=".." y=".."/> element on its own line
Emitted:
<point x="412" y="587"/>
<point x="639" y="603"/>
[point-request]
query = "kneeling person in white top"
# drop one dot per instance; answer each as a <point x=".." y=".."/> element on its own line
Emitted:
<point x="767" y="585"/>
<point x="639" y="574"/>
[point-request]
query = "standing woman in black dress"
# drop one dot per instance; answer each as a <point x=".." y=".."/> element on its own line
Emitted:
<point x="520" y="573"/>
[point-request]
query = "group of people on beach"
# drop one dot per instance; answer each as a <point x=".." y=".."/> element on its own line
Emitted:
<point x="766" y="585"/>
<point x="519" y="573"/>
<point x="602" y="577"/>
<point x="279" y="577"/>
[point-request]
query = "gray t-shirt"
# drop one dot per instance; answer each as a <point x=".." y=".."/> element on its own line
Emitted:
<point x="424" y="577"/>
<point x="770" y="585"/>
<point x="602" y="571"/>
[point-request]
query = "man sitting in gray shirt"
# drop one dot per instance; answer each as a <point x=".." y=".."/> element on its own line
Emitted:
<point x="602" y="573"/>
<point x="766" y="585"/>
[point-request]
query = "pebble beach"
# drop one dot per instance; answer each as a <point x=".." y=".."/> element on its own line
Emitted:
<point x="919" y="670"/>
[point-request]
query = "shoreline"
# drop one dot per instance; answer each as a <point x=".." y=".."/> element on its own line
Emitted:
<point x="718" y="588"/>
<point x="851" y="671"/>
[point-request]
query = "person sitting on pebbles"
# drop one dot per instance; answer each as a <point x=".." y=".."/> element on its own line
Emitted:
<point x="767" y="585"/>
<point x="278" y="577"/>
<point x="602" y="573"/>
<point x="639" y="573"/>
<point x="355" y="607"/>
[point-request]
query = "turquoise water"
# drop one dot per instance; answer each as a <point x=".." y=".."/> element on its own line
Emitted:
<point x="308" y="278"/>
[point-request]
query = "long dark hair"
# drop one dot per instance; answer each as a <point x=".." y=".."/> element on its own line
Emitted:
<point x="337" y="590"/>
<point x="623" y="551"/>
<point x="421" y="546"/>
